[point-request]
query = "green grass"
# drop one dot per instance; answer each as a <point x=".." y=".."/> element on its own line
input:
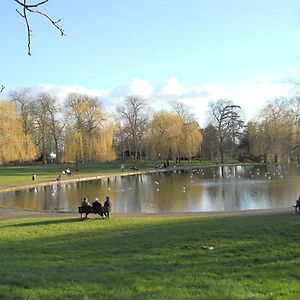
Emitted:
<point x="22" y="174"/>
<point x="254" y="257"/>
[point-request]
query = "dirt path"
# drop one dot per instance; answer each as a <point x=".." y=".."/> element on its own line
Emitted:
<point x="9" y="213"/>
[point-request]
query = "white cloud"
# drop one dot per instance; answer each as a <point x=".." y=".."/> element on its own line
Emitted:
<point x="173" y="87"/>
<point x="61" y="91"/>
<point x="140" y="87"/>
<point x="137" y="87"/>
<point x="251" y="97"/>
<point x="207" y="90"/>
<point x="196" y="97"/>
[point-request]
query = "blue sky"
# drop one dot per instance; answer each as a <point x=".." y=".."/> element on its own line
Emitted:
<point x="193" y="51"/>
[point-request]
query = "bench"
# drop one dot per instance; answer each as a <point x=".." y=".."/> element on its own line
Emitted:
<point x="100" y="210"/>
<point x="297" y="207"/>
<point x="89" y="210"/>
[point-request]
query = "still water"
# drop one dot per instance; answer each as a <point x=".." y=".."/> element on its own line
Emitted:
<point x="230" y="188"/>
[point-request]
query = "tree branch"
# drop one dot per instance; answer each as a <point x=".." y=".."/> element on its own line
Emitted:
<point x="28" y="8"/>
<point x="31" y="5"/>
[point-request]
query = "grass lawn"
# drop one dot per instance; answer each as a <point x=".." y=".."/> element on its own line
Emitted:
<point x="254" y="257"/>
<point x="22" y="174"/>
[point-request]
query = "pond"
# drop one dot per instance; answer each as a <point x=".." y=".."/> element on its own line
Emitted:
<point x="229" y="188"/>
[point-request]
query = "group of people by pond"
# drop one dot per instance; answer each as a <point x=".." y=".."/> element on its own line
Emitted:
<point x="104" y="209"/>
<point x="64" y="172"/>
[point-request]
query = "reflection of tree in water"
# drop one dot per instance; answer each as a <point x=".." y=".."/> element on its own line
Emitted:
<point x="241" y="187"/>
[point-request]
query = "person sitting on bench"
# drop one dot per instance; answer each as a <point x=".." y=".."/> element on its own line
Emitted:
<point x="106" y="209"/>
<point x="97" y="207"/>
<point x="85" y="202"/>
<point x="97" y="203"/>
<point x="68" y="172"/>
<point x="85" y="207"/>
<point x="297" y="206"/>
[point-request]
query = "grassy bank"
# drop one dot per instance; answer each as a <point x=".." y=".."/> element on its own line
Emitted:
<point x="23" y="174"/>
<point x="14" y="175"/>
<point x="254" y="257"/>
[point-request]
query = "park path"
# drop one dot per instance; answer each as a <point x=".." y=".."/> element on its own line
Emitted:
<point x="74" y="178"/>
<point x="11" y="213"/>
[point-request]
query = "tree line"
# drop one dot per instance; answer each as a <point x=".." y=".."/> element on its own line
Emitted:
<point x="39" y="127"/>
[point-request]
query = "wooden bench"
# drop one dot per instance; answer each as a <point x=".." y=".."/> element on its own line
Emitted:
<point x="89" y="210"/>
<point x="297" y="207"/>
<point x="100" y="210"/>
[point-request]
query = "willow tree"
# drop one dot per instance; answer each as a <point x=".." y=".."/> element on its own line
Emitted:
<point x="170" y="137"/>
<point x="275" y="133"/>
<point x="88" y="135"/>
<point x="192" y="137"/>
<point x="102" y="145"/>
<point x="165" y="136"/>
<point x="15" y="145"/>
<point x="191" y="140"/>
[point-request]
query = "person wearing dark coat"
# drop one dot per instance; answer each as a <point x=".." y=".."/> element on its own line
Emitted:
<point x="97" y="206"/>
<point x="106" y="207"/>
<point x="96" y="203"/>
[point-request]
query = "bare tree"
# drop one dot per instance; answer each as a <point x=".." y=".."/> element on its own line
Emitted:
<point x="23" y="102"/>
<point x="134" y="122"/>
<point x="34" y="9"/>
<point x="48" y="125"/>
<point x="183" y="111"/>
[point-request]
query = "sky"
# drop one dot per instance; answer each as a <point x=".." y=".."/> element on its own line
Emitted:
<point x="191" y="51"/>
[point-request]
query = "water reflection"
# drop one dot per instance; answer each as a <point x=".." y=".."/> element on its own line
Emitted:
<point x="203" y="189"/>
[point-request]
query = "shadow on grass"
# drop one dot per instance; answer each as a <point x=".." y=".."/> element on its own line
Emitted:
<point x="163" y="258"/>
<point x="55" y="221"/>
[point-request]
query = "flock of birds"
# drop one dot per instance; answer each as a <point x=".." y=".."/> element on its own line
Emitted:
<point x="221" y="174"/>
<point x="190" y="177"/>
